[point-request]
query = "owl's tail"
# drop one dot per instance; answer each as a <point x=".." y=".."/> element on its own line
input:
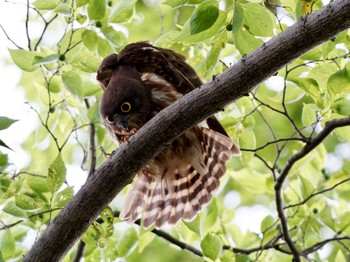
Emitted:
<point x="184" y="186"/>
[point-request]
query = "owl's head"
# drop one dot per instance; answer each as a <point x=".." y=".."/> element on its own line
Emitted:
<point x="125" y="104"/>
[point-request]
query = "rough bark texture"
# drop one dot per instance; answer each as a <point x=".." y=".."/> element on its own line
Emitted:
<point x="239" y="80"/>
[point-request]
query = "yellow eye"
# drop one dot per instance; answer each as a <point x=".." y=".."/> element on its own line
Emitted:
<point x="125" y="107"/>
<point x="110" y="119"/>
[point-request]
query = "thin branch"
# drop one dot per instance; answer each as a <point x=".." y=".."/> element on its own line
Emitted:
<point x="80" y="251"/>
<point x="92" y="146"/>
<point x="168" y="237"/>
<point x="272" y="244"/>
<point x="46" y="25"/>
<point x="27" y="27"/>
<point x="8" y="37"/>
<point x="317" y="193"/>
<point x="319" y="245"/>
<point x="29" y="217"/>
<point x="285" y="108"/>
<point x="27" y="173"/>
<point x="329" y="127"/>
<point x="271" y="143"/>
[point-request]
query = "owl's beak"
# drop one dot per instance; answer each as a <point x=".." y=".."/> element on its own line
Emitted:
<point x="121" y="129"/>
<point x="121" y="125"/>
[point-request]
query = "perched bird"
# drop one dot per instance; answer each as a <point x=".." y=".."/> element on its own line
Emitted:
<point x="139" y="82"/>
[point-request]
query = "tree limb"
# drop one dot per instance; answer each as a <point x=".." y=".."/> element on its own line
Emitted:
<point x="240" y="79"/>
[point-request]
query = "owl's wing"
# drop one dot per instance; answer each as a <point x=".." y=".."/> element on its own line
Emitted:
<point x="166" y="63"/>
<point x="184" y="186"/>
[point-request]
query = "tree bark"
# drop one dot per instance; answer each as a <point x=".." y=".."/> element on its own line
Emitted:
<point x="120" y="168"/>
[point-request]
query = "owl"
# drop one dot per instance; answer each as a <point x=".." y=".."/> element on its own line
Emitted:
<point x="138" y="83"/>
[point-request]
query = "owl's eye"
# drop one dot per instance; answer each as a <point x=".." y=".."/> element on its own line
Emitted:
<point x="125" y="107"/>
<point x="110" y="119"/>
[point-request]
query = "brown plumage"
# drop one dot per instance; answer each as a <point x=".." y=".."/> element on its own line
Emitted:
<point x="138" y="83"/>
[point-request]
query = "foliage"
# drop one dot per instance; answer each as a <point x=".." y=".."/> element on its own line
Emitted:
<point x="300" y="190"/>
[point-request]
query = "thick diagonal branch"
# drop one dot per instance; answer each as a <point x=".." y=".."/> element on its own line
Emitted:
<point x="239" y="80"/>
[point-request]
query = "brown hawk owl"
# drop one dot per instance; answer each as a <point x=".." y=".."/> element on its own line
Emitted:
<point x="138" y="83"/>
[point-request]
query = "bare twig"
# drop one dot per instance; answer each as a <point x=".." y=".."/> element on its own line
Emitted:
<point x="317" y="193"/>
<point x="319" y="245"/>
<point x="8" y="37"/>
<point x="329" y="127"/>
<point x="33" y="215"/>
<point x="27" y="27"/>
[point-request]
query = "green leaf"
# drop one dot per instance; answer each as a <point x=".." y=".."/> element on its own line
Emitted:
<point x="104" y="47"/>
<point x="64" y="9"/>
<point x="145" y="238"/>
<point x="63" y="197"/>
<point x="90" y="39"/>
<point x="122" y="11"/>
<point x="211" y="218"/>
<point x="2" y="143"/>
<point x="40" y="60"/>
<point x="81" y="19"/>
<point x="204" y="17"/>
<point x="343" y="133"/>
<point x="56" y="174"/>
<point x="6" y="122"/>
<point x="28" y="203"/>
<point x="90" y="88"/>
<point x="94" y="113"/>
<point x="96" y="9"/>
<point x="45" y="4"/>
<point x="72" y="81"/>
<point x="107" y="215"/>
<point x="178" y="3"/>
<point x="1" y="257"/>
<point x="117" y="38"/>
<point x="89" y="64"/>
<point x="23" y="59"/>
<point x="309" y="85"/>
<point x="92" y="234"/>
<point x="126" y="241"/>
<point x="246" y="42"/>
<point x="7" y="244"/>
<point x="267" y="223"/>
<point x="339" y="83"/>
<point x="194" y="225"/>
<point x="55" y="84"/>
<point x="38" y="184"/>
<point x="213" y="56"/>
<point x="340" y="257"/>
<point x="14" y="210"/>
<point x="211" y="246"/>
<point x="186" y="36"/>
<point x="228" y="256"/>
<point x="307" y="188"/>
<point x="342" y="107"/>
<point x="309" y="114"/>
<point x="237" y="20"/>
<point x="247" y="140"/>
<point x="248" y="123"/>
<point x="258" y="20"/>
<point x="303" y="7"/>
<point x="81" y="2"/>
<point x="4" y="161"/>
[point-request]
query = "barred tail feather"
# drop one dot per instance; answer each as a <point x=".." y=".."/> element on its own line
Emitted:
<point x="184" y="185"/>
